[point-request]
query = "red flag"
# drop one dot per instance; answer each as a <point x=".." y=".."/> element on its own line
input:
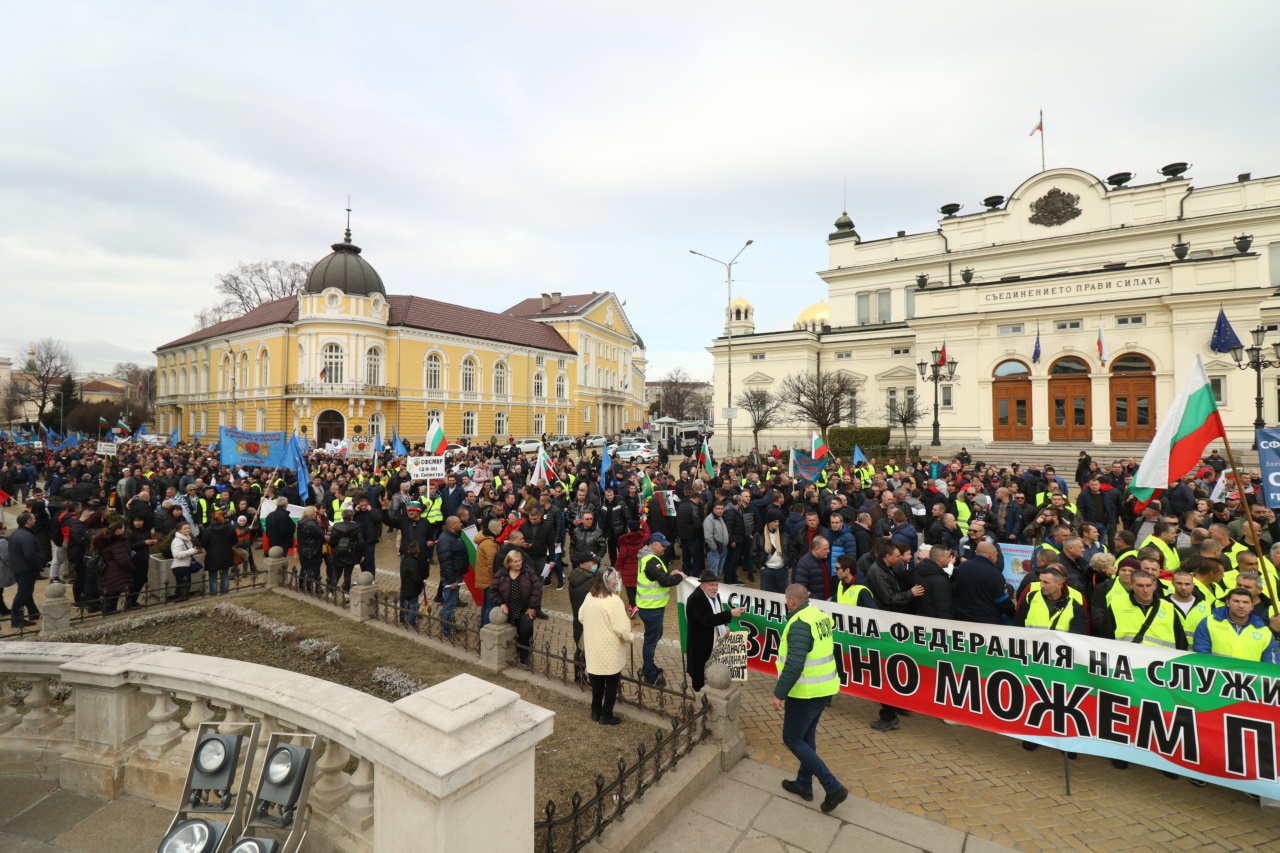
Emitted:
<point x="942" y="356"/>
<point x="4" y="497"/>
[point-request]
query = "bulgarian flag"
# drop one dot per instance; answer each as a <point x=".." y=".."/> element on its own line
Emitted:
<point x="543" y="469"/>
<point x="704" y="460"/>
<point x="436" y="442"/>
<point x="102" y="422"/>
<point x="666" y="503"/>
<point x="820" y="448"/>
<point x="120" y="424"/>
<point x="1102" y="349"/>
<point x="1192" y="422"/>
<point x="468" y="535"/>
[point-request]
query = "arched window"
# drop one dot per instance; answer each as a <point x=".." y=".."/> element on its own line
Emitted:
<point x="468" y="376"/>
<point x="377" y="428"/>
<point x="1070" y="364"/>
<point x="500" y="424"/>
<point x="562" y="424"/>
<point x="562" y="385"/>
<point x="373" y="366"/>
<point x="539" y="422"/>
<point x="225" y="373"/>
<point x="204" y="380"/>
<point x="182" y="381"/>
<point x="264" y="369"/>
<point x="334" y="361"/>
<point x="469" y="424"/>
<point x="164" y="381"/>
<point x="599" y="377"/>
<point x="737" y="313"/>
<point x="1011" y="368"/>
<point x="539" y="385"/>
<point x="500" y="377"/>
<point x="239" y="418"/>
<point x="262" y="419"/>
<point x="244" y="370"/>
<point x="434" y="371"/>
<point x="1131" y="364"/>
<point x="435" y="415"/>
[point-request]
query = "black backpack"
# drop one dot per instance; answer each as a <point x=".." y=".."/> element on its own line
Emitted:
<point x="346" y="547"/>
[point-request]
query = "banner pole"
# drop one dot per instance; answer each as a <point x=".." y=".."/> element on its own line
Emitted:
<point x="1268" y="580"/>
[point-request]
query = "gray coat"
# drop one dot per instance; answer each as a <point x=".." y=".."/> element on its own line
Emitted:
<point x="715" y="534"/>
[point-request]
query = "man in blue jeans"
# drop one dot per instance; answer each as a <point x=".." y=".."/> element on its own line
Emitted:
<point x="807" y="679"/>
<point x="452" y="554"/>
<point x="653" y="591"/>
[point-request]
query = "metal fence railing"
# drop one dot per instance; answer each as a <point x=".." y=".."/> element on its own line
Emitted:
<point x="586" y="819"/>
<point x="568" y="666"/>
<point x="457" y="632"/>
<point x="318" y="588"/>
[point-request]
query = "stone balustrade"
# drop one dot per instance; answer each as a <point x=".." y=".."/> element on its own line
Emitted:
<point x="428" y="768"/>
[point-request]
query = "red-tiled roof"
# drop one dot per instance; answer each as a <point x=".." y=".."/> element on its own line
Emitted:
<point x="412" y="311"/>
<point x="567" y="305"/>
<point x="98" y="386"/>
<point x="419" y="313"/>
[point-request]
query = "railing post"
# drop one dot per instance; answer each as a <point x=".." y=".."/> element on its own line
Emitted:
<point x="55" y="613"/>
<point x="362" y="594"/>
<point x="497" y="642"/>
<point x="725" y="699"/>
<point x="159" y="579"/>
<point x="473" y="747"/>
<point x="277" y="570"/>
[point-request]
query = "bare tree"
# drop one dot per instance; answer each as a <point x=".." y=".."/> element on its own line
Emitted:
<point x="250" y="285"/>
<point x="906" y="414"/>
<point x="822" y="400"/>
<point x="212" y="315"/>
<point x="678" y="392"/>
<point x="139" y="388"/>
<point x="763" y="407"/>
<point x="48" y="362"/>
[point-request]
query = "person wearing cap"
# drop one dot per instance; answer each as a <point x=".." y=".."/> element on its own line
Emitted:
<point x="653" y="591"/>
<point x="708" y="621"/>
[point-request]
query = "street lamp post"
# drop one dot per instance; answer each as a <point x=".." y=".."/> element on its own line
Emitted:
<point x="1257" y="364"/>
<point x="936" y="371"/>
<point x="728" y="279"/>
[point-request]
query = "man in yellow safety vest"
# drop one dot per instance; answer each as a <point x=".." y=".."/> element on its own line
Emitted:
<point x="1234" y="631"/>
<point x="807" y="679"/>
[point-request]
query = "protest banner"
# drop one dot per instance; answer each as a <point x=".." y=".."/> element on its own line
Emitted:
<point x="1269" y="460"/>
<point x="1200" y="716"/>
<point x="426" y="467"/>
<point x="1017" y="562"/>
<point x="361" y="446"/>
<point x="237" y="447"/>
<point x="731" y="650"/>
<point x="106" y="448"/>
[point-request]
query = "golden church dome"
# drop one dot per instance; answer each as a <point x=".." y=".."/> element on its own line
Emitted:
<point x="816" y="315"/>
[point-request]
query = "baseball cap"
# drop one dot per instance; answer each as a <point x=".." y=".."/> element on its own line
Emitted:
<point x="659" y="539"/>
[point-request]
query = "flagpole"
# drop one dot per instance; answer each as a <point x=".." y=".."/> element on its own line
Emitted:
<point x="1042" y="141"/>
<point x="1268" y="578"/>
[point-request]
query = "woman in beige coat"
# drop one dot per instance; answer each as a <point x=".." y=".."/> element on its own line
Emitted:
<point x="606" y="636"/>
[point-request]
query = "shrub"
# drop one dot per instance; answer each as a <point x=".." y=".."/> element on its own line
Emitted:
<point x="864" y="437"/>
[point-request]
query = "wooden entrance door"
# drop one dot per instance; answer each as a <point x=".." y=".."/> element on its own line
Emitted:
<point x="330" y="426"/>
<point x="1011" y="419"/>
<point x="1070" y="405"/>
<point x="1133" y="398"/>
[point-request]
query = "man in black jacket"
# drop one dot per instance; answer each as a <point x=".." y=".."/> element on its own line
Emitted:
<point x="451" y="552"/>
<point x="280" y="526"/>
<point x="26" y="559"/>
<point x="979" y="592"/>
<point x="347" y="540"/>
<point x="708" y="620"/>
<point x="936" y="601"/>
<point x="890" y="595"/>
<point x="369" y="517"/>
<point x="689" y="531"/>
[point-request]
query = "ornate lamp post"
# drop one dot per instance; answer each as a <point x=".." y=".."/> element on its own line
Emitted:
<point x="1256" y="363"/>
<point x="936" y="371"/>
<point x="728" y="278"/>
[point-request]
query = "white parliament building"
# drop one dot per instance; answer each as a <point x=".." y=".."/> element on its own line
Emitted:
<point x="1152" y="263"/>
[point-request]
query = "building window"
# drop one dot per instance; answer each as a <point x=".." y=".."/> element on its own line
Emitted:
<point x="264" y="370"/>
<point x="1218" y="384"/>
<point x="902" y="350"/>
<point x="262" y="420"/>
<point x="500" y="423"/>
<point x="840" y="356"/>
<point x="540" y="361"/>
<point x="222" y="418"/>
<point x="586" y="414"/>
<point x="909" y="301"/>
<point x="469" y="377"/>
<point x="1132" y="320"/>
<point x="539" y="421"/>
<point x="469" y="424"/>
<point x="434" y="372"/>
<point x="539" y="384"/>
<point x="562" y="387"/>
<point x="852" y="413"/>
<point x="757" y="356"/>
<point x="944" y="394"/>
<point x="1015" y="329"/>
<point x="891" y="400"/>
<point x="560" y="363"/>
<point x="562" y="424"/>
<point x="599" y="377"/>
<point x="884" y="310"/>
<point x="373" y="366"/>
<point x="239" y="418"/>
<point x="1068" y="325"/>
<point x="864" y="309"/>
<point x="500" y="377"/>
<point x="333" y="360"/>
<point x="435" y="415"/>
<point x="910" y="397"/>
<point x="244" y="370"/>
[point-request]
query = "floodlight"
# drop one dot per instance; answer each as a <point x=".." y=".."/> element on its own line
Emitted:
<point x="212" y="790"/>
<point x="255" y="845"/>
<point x="193" y="836"/>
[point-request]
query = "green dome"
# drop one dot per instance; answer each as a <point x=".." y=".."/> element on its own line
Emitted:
<point x="345" y="270"/>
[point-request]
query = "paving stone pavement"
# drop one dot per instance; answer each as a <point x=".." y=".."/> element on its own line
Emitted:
<point x="36" y="816"/>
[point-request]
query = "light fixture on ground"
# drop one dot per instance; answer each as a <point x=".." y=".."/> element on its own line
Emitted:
<point x="937" y="371"/>
<point x="214" y="793"/>
<point x="284" y="786"/>
<point x="1257" y="364"/>
<point x="728" y="278"/>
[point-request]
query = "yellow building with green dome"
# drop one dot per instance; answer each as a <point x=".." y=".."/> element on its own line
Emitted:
<point x="344" y="356"/>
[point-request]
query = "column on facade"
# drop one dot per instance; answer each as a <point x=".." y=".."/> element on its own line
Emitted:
<point x="1041" y="413"/>
<point x="1101" y="393"/>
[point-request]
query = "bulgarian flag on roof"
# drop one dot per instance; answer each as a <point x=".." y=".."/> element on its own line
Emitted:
<point x="704" y="460"/>
<point x="1192" y="422"/>
<point x="436" y="442"/>
<point x="820" y="448"/>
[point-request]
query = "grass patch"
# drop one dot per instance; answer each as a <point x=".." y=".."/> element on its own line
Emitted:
<point x="567" y="761"/>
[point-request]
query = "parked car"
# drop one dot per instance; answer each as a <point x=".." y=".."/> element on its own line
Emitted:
<point x="528" y="445"/>
<point x="596" y="441"/>
<point x="451" y="449"/>
<point x="562" y="442"/>
<point x="636" y="452"/>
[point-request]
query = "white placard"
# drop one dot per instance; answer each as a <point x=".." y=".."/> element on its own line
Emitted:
<point x="361" y="446"/>
<point x="728" y="414"/>
<point x="106" y="448"/>
<point x="426" y="467"/>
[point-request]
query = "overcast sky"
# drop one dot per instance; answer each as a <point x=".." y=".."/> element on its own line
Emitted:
<point x="495" y="151"/>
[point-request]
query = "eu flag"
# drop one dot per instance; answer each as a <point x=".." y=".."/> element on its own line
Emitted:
<point x="1224" y="337"/>
<point x="1035" y="354"/>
